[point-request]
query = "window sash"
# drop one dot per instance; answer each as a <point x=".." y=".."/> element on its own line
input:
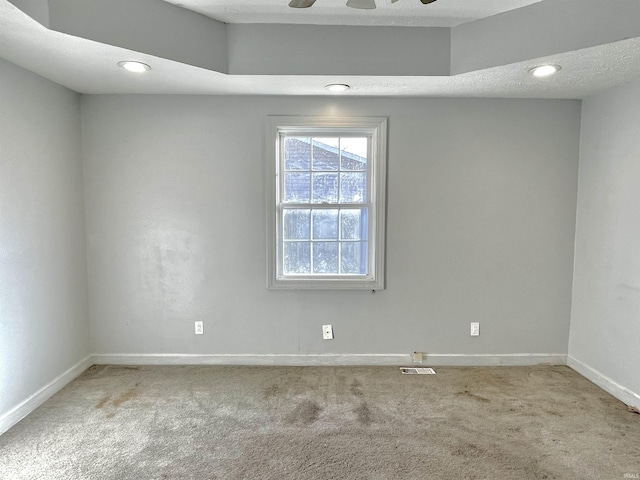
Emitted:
<point x="339" y="239"/>
<point x="337" y="133"/>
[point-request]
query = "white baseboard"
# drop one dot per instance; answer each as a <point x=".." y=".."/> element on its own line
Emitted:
<point x="24" y="408"/>
<point x="607" y="384"/>
<point x="330" y="359"/>
<point x="489" y="360"/>
<point x="248" y="359"/>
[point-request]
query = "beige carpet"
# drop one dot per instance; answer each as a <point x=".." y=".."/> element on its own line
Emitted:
<point x="325" y="423"/>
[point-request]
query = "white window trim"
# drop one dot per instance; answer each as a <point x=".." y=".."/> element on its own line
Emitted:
<point x="376" y="127"/>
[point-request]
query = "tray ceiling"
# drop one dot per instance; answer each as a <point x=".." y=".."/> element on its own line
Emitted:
<point x="468" y="51"/>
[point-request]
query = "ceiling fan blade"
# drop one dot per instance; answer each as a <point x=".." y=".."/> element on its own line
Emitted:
<point x="362" y="4"/>
<point x="301" y="3"/>
<point x="426" y="2"/>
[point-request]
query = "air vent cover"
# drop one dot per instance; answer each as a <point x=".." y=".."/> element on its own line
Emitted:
<point x="417" y="371"/>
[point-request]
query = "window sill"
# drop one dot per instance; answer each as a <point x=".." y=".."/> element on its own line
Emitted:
<point x="306" y="283"/>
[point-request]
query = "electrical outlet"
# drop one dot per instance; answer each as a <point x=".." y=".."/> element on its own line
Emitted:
<point x="417" y="357"/>
<point x="199" y="328"/>
<point x="327" y="332"/>
<point x="475" y="329"/>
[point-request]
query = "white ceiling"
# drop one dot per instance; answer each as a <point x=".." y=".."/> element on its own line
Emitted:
<point x="442" y="13"/>
<point x="89" y="66"/>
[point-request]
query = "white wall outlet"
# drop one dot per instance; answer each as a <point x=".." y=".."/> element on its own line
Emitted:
<point x="327" y="332"/>
<point x="475" y="329"/>
<point x="199" y="328"/>
<point x="416" y="357"/>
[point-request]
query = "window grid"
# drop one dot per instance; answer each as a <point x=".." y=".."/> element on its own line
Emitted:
<point x="313" y="205"/>
<point x="339" y="239"/>
<point x="312" y="169"/>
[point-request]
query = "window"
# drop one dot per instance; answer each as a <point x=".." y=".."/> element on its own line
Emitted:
<point x="326" y="202"/>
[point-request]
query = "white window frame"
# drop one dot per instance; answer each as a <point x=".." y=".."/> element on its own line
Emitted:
<point x="373" y="127"/>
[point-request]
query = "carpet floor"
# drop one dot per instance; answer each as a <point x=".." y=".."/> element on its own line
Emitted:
<point x="210" y="422"/>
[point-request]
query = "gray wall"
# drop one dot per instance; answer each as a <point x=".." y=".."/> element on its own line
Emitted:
<point x="44" y="328"/>
<point x="605" y="326"/>
<point x="268" y="49"/>
<point x="481" y="215"/>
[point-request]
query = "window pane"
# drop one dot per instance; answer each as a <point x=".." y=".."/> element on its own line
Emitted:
<point x="326" y="155"/>
<point x="297" y="187"/>
<point x="353" y="224"/>
<point x="325" y="224"/>
<point x="297" y="153"/>
<point x="353" y="153"/>
<point x="296" y="224"/>
<point x="353" y="258"/>
<point x="325" y="257"/>
<point x="353" y="187"/>
<point x="296" y="257"/>
<point x="325" y="187"/>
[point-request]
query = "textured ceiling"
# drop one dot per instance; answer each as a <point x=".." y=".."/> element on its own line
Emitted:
<point x="89" y="66"/>
<point x="443" y="13"/>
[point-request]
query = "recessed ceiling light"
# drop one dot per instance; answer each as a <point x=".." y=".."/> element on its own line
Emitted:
<point x="133" y="66"/>
<point x="544" y="70"/>
<point x="337" y="87"/>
